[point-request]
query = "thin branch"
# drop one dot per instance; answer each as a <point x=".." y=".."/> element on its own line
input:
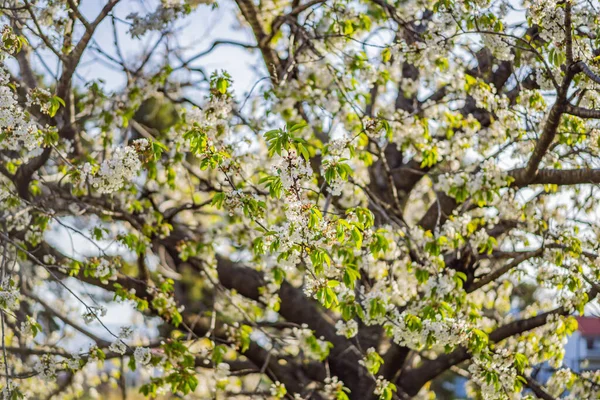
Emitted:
<point x="215" y="44"/>
<point x="99" y="341"/>
<point x="492" y="276"/>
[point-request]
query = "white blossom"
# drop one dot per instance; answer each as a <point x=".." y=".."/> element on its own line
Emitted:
<point x="118" y="346"/>
<point x="142" y="355"/>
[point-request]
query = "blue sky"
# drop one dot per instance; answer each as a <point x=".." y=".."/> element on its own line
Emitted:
<point x="195" y="33"/>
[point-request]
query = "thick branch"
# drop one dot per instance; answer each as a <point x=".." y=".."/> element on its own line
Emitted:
<point x="582" y="112"/>
<point x="252" y="16"/>
<point x="560" y="177"/>
<point x="538" y="389"/>
<point x="297" y="308"/>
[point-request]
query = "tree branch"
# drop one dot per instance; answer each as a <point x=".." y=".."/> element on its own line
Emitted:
<point x="412" y="380"/>
<point x="492" y="276"/>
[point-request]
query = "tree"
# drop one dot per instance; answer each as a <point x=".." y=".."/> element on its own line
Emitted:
<point x="409" y="191"/>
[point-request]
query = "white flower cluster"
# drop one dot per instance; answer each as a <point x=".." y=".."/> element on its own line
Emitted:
<point x="154" y="21"/>
<point x="4" y="193"/>
<point x="292" y="169"/>
<point x="370" y="362"/>
<point x="9" y="41"/>
<point x="587" y="387"/>
<point x="298" y="216"/>
<point x="93" y="312"/>
<point x="381" y="386"/>
<point x="222" y="372"/>
<point x="440" y="285"/>
<point x="46" y="367"/>
<point x="558" y="382"/>
<point x="172" y="3"/>
<point x="479" y="239"/>
<point x="41" y="98"/>
<point x="408" y="130"/>
<point x="423" y="53"/>
<point x="119" y="346"/>
<point x="26" y="329"/>
<point x="165" y="304"/>
<point x="312" y="347"/>
<point x="405" y="285"/>
<point x="336" y="151"/>
<point x="376" y="295"/>
<point x="532" y="100"/>
<point x="142" y="355"/>
<point x="212" y="119"/>
<point x="49" y="259"/>
<point x="575" y="301"/>
<point x="447" y="331"/>
<point x="550" y="345"/>
<point x="487" y="98"/>
<point x="349" y="329"/>
<point x="278" y="390"/>
<point x="16" y="124"/>
<point x="73" y="363"/>
<point x="268" y="293"/>
<point x="287" y="238"/>
<point x="550" y="18"/>
<point x="376" y="269"/>
<point x="456" y="226"/>
<point x="105" y="270"/>
<point x="312" y="285"/>
<point x="488" y="180"/>
<point x="333" y="387"/>
<point x="499" y="46"/>
<point x="9" y="295"/>
<point x="502" y="300"/>
<point x="114" y="172"/>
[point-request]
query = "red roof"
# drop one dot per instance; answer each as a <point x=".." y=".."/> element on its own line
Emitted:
<point x="589" y="326"/>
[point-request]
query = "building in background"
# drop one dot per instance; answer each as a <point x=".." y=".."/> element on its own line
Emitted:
<point x="582" y="351"/>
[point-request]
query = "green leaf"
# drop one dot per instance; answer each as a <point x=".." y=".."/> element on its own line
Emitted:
<point x="274" y="184"/>
<point x="297" y="127"/>
<point x="521" y="362"/>
<point x="218" y="200"/>
<point x="327" y="297"/>
<point x="157" y="149"/>
<point x="373" y="362"/>
<point x="245" y="332"/>
<point x="315" y="217"/>
<point x="351" y="275"/>
<point x="55" y="103"/>
<point x="478" y="340"/>
<point x="303" y="151"/>
<point x="413" y="323"/>
<point x="386" y="55"/>
<point x="131" y="363"/>
<point x="348" y="27"/>
<point x="222" y="85"/>
<point x="218" y="354"/>
<point x="422" y="275"/>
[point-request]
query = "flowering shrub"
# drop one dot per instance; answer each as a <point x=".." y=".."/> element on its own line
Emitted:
<point x="408" y="191"/>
